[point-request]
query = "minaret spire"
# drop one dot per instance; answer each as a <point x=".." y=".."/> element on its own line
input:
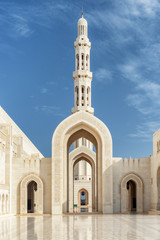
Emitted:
<point x="82" y="76"/>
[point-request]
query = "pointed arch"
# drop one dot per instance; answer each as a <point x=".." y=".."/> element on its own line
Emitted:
<point x="139" y="191"/>
<point x="79" y="125"/>
<point x="79" y="196"/>
<point x="78" y="154"/>
<point x="23" y="193"/>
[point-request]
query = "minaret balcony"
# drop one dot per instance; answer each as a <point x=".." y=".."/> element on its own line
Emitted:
<point x="82" y="42"/>
<point x="83" y="108"/>
<point x="82" y="73"/>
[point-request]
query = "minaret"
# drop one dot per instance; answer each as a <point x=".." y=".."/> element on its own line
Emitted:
<point x="82" y="76"/>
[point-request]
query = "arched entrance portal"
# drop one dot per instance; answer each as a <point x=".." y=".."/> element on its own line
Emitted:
<point x="81" y="125"/>
<point x="83" y="155"/>
<point x="31" y="195"/>
<point x="131" y="187"/>
<point x="83" y="200"/>
<point x="131" y="193"/>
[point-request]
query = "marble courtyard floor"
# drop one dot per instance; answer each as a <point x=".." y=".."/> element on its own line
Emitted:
<point x="80" y="227"/>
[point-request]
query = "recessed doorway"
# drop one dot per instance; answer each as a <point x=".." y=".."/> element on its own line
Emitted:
<point x="31" y="197"/>
<point x="132" y="204"/>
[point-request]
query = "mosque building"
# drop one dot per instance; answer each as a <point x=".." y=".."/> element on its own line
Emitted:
<point x="82" y="175"/>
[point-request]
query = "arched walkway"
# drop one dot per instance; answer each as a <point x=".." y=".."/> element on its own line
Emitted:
<point x="25" y="183"/>
<point x="82" y="153"/>
<point x="130" y="183"/>
<point x="81" y="125"/>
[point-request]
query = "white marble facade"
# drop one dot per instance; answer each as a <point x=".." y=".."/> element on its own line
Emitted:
<point x="82" y="174"/>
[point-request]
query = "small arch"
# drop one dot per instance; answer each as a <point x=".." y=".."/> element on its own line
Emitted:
<point x="133" y="179"/>
<point x="83" y="197"/>
<point x="24" y="193"/>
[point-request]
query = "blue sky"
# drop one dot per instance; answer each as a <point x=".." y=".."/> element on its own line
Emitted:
<point x="37" y="61"/>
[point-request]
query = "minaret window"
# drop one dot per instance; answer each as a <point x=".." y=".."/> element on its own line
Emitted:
<point x="85" y="30"/>
<point x="82" y="99"/>
<point x="82" y="61"/>
<point x="87" y="59"/>
<point x="77" y="61"/>
<point x="77" y="96"/>
<point x="88" y="96"/>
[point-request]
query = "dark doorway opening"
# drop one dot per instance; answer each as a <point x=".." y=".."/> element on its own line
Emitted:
<point x="132" y="201"/>
<point x="83" y="198"/>
<point x="31" y="198"/>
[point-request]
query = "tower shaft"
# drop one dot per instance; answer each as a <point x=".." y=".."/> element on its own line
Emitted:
<point x="82" y="76"/>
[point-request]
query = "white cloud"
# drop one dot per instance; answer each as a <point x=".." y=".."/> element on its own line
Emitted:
<point x="22" y="20"/>
<point x="145" y="93"/>
<point x="145" y="130"/>
<point x="22" y="29"/>
<point x="103" y="75"/>
<point x="144" y="97"/>
<point x="134" y="27"/>
<point x="51" y="110"/>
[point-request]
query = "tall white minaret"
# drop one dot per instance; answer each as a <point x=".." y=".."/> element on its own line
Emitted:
<point x="82" y="76"/>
